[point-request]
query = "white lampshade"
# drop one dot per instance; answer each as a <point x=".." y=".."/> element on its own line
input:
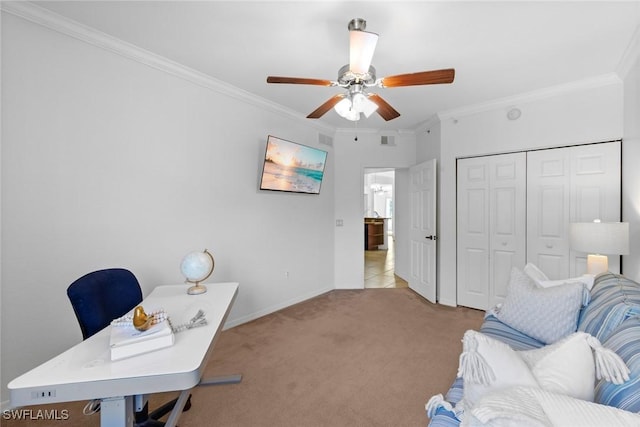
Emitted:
<point x="364" y="105"/>
<point x="345" y="109"/>
<point x="361" y="47"/>
<point x="606" y="238"/>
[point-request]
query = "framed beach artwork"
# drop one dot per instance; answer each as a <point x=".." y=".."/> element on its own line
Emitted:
<point x="292" y="167"/>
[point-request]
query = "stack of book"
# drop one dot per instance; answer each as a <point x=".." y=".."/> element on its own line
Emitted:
<point x="127" y="341"/>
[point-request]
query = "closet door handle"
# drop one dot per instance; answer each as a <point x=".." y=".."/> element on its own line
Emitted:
<point x="431" y="237"/>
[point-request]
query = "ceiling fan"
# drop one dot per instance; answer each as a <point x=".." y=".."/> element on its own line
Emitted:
<point x="359" y="75"/>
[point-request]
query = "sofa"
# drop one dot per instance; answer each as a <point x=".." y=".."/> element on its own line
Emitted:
<point x="524" y="363"/>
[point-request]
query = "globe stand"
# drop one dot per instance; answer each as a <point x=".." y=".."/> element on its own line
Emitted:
<point x="197" y="267"/>
<point x="196" y="289"/>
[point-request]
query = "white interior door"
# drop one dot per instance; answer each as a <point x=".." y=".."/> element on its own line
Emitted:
<point x="423" y="229"/>
<point x="491" y="217"/>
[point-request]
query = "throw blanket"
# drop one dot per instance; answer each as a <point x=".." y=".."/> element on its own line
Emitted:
<point x="534" y="407"/>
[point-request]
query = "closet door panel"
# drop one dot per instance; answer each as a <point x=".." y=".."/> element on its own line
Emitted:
<point x="595" y="193"/>
<point x="507" y="221"/>
<point x="473" y="233"/>
<point x="548" y="179"/>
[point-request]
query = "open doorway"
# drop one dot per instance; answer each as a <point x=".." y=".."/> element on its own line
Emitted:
<point x="379" y="235"/>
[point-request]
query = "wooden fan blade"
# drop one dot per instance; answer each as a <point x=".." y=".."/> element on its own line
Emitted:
<point x="385" y="110"/>
<point x="321" y="110"/>
<point x="299" y="81"/>
<point x="421" y="78"/>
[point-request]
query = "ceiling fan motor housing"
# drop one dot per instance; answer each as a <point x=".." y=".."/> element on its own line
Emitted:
<point x="346" y="77"/>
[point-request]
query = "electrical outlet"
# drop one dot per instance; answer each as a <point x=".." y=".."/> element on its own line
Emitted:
<point x="286" y="274"/>
<point x="339" y="223"/>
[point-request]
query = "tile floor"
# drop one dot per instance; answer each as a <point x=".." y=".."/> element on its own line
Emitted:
<point x="378" y="269"/>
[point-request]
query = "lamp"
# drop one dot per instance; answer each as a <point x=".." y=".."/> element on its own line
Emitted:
<point x="356" y="102"/>
<point x="600" y="239"/>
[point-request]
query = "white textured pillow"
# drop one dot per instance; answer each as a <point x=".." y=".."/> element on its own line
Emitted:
<point x="546" y="314"/>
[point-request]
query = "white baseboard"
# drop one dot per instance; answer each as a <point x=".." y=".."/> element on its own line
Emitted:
<point x="252" y="316"/>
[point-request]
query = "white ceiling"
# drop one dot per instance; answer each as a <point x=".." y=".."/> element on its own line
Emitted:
<point x="499" y="49"/>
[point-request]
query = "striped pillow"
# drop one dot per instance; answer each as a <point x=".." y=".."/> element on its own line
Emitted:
<point x="614" y="298"/>
<point x="625" y="341"/>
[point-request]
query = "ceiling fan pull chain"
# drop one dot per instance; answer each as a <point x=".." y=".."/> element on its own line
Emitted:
<point x="356" y="125"/>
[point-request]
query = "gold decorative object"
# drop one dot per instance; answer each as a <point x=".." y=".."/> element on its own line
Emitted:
<point x="141" y="321"/>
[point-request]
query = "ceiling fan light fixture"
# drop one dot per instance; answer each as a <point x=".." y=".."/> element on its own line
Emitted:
<point x="363" y="104"/>
<point x="362" y="44"/>
<point x="345" y="109"/>
<point x="350" y="107"/>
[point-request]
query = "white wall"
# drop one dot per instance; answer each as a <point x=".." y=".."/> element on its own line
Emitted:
<point x="402" y="222"/>
<point x="583" y="112"/>
<point x="351" y="158"/>
<point x="108" y="162"/>
<point x="630" y="156"/>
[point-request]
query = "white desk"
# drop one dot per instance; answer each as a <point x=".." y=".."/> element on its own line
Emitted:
<point x="86" y="372"/>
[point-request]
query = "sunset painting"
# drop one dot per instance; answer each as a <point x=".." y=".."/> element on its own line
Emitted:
<point x="292" y="167"/>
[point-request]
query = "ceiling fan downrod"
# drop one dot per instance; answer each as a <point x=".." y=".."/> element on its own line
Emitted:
<point x="357" y="24"/>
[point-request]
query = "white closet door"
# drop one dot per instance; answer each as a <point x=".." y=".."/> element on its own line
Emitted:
<point x="548" y="201"/>
<point x="508" y="200"/>
<point x="473" y="233"/>
<point x="491" y="226"/>
<point x="572" y="184"/>
<point x="595" y="193"/>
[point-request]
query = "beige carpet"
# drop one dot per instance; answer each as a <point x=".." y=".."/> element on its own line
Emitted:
<point x="346" y="358"/>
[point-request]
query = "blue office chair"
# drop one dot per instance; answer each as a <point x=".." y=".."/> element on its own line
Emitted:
<point x="98" y="298"/>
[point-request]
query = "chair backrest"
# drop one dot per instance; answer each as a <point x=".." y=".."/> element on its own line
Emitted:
<point x="101" y="296"/>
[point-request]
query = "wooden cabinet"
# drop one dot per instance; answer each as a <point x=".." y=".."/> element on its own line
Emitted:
<point x="373" y="233"/>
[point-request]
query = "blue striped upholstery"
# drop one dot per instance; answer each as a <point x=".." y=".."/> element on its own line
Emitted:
<point x="614" y="298"/>
<point x="625" y="341"/>
<point x="612" y="316"/>
<point x="502" y="332"/>
<point x="444" y="418"/>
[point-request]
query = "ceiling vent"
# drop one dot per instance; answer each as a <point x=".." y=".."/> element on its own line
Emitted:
<point x="325" y="140"/>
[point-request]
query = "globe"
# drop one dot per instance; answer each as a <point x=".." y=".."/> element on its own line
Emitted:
<point x="196" y="267"/>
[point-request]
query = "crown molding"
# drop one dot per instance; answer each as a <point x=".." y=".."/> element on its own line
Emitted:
<point x="69" y="27"/>
<point x="589" y="83"/>
<point x="631" y="55"/>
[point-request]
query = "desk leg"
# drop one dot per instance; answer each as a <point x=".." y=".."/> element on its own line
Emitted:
<point x="116" y="412"/>
<point x="177" y="409"/>
<point x="230" y="379"/>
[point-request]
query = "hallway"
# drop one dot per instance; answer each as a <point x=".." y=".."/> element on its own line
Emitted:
<point x="379" y="267"/>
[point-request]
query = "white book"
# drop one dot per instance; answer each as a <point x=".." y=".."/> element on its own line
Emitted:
<point x="126" y="341"/>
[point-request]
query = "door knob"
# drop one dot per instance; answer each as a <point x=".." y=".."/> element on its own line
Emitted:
<point x="431" y="237"/>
